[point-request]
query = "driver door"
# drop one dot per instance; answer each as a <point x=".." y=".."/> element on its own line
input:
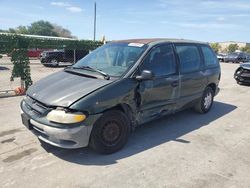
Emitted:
<point x="158" y="95"/>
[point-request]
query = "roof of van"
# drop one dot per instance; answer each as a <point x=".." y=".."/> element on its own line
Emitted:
<point x="153" y="41"/>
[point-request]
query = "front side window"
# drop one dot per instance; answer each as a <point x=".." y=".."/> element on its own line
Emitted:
<point x="209" y="57"/>
<point x="113" y="58"/>
<point x="189" y="57"/>
<point x="161" y="61"/>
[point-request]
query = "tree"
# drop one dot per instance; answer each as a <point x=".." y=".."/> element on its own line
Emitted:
<point x="62" y="32"/>
<point x="232" y="48"/>
<point x="21" y="30"/>
<point x="43" y="28"/>
<point x="216" y="47"/>
<point x="245" y="49"/>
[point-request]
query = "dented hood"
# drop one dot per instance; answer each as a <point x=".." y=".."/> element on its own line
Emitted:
<point x="63" y="88"/>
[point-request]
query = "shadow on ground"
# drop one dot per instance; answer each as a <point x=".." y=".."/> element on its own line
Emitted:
<point x="145" y="137"/>
<point x="58" y="66"/>
<point x="3" y="68"/>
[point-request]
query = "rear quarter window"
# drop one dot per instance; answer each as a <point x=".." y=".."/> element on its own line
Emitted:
<point x="209" y="57"/>
<point x="189" y="57"/>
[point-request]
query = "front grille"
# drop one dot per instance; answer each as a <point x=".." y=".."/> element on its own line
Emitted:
<point x="35" y="106"/>
<point x="246" y="71"/>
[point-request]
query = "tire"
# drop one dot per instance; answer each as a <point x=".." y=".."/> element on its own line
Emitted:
<point x="237" y="74"/>
<point x="205" y="102"/>
<point x="46" y="65"/>
<point x="54" y="62"/>
<point x="110" y="132"/>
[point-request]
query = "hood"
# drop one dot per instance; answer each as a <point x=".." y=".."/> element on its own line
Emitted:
<point x="63" y="88"/>
<point x="245" y="66"/>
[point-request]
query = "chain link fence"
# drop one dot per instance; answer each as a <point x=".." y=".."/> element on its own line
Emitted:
<point x="43" y="62"/>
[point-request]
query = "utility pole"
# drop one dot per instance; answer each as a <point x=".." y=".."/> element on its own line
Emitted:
<point x="94" y="20"/>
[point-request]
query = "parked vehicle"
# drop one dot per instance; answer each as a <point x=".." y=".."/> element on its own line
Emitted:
<point x="220" y="57"/>
<point x="236" y="57"/>
<point x="53" y="58"/>
<point x="117" y="87"/>
<point x="242" y="74"/>
<point x="33" y="52"/>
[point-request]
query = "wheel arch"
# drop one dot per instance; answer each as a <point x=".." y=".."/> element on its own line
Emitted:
<point x="127" y="110"/>
<point x="213" y="86"/>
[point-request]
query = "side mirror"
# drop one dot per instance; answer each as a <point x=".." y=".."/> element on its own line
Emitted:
<point x="145" y="75"/>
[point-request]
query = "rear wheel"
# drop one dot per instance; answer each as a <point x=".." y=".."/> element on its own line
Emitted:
<point x="110" y="132"/>
<point x="206" y="101"/>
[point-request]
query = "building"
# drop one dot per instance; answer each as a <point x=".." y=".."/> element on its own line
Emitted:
<point x="224" y="45"/>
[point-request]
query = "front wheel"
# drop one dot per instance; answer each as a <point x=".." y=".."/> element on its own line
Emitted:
<point x="110" y="132"/>
<point x="205" y="102"/>
<point x="54" y="62"/>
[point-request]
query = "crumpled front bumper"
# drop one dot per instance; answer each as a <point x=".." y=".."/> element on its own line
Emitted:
<point x="64" y="136"/>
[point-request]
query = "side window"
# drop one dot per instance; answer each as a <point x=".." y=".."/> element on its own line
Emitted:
<point x="161" y="61"/>
<point x="209" y="57"/>
<point x="189" y="58"/>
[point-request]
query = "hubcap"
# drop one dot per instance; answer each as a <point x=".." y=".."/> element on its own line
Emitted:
<point x="208" y="100"/>
<point x="111" y="132"/>
<point x="54" y="62"/>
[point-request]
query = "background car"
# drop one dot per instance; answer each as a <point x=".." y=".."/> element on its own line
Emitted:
<point x="220" y="57"/>
<point x="53" y="58"/>
<point x="236" y="57"/>
<point x="242" y="74"/>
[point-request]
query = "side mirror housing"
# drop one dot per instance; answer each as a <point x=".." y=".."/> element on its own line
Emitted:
<point x="145" y="75"/>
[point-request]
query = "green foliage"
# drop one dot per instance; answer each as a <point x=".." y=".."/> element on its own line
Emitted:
<point x="21" y="66"/>
<point x="10" y="41"/>
<point x="245" y="49"/>
<point x="22" y="30"/>
<point x="43" y="28"/>
<point x="1" y="56"/>
<point x="232" y="48"/>
<point x="62" y="32"/>
<point x="216" y="47"/>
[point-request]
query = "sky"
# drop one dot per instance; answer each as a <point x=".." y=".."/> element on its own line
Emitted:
<point x="203" y="20"/>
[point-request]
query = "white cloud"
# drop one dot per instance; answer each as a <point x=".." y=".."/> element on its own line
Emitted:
<point x="221" y="19"/>
<point x="67" y="6"/>
<point x="60" y="4"/>
<point x="206" y="25"/>
<point x="74" y="9"/>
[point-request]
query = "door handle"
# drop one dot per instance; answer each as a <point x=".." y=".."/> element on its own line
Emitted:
<point x="174" y="83"/>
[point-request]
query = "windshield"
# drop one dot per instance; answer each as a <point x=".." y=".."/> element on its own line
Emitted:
<point x="113" y="59"/>
<point x="233" y="54"/>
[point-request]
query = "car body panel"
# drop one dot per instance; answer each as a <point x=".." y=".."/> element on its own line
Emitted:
<point x="63" y="88"/>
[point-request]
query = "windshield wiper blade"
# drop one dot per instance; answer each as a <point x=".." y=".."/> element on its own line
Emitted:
<point x="104" y="74"/>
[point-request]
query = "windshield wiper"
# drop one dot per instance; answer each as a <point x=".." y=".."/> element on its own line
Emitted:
<point x="104" y="74"/>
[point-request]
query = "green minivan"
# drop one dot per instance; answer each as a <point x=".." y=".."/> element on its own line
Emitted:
<point x="99" y="100"/>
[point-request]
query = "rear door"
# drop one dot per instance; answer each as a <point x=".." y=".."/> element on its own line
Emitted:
<point x="158" y="96"/>
<point x="192" y="79"/>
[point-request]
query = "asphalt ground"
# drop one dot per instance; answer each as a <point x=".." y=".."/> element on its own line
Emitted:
<point x="182" y="150"/>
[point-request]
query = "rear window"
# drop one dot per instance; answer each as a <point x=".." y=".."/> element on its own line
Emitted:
<point x="209" y="57"/>
<point x="189" y="58"/>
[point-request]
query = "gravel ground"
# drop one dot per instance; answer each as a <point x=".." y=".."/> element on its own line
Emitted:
<point x="183" y="150"/>
<point x="38" y="71"/>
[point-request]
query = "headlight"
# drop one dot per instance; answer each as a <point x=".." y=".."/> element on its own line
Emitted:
<point x="60" y="116"/>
